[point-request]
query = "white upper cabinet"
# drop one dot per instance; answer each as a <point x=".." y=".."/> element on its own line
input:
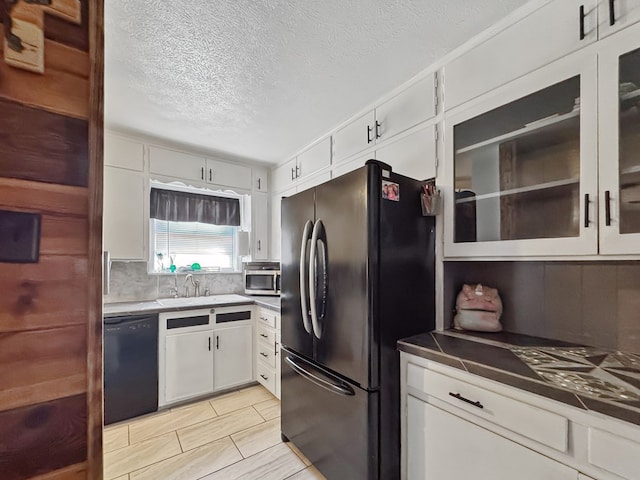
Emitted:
<point x="354" y="137"/>
<point x="284" y="176"/>
<point x="614" y="15"/>
<point x="180" y="165"/>
<point x="123" y="215"/>
<point x="314" y="159"/>
<point x="410" y="107"/>
<point x="619" y="133"/>
<point x="171" y="163"/>
<point x="260" y="227"/>
<point x="123" y="153"/>
<point x="351" y="165"/>
<point x="260" y="180"/>
<point x="228" y="174"/>
<point x="556" y="29"/>
<point x="412" y="155"/>
<point x="520" y="175"/>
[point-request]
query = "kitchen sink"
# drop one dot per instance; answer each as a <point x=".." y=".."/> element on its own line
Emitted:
<point x="200" y="301"/>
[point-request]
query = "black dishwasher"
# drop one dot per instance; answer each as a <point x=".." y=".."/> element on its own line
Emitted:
<point x="130" y="366"/>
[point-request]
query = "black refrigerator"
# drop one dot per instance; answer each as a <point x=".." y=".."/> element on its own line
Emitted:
<point x="357" y="267"/>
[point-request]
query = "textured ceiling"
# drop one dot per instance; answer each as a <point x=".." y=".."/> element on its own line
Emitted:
<point x="260" y="79"/>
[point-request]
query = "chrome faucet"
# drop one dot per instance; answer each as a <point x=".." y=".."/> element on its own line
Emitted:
<point x="195" y="283"/>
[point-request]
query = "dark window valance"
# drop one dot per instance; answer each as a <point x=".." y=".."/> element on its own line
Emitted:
<point x="193" y="207"/>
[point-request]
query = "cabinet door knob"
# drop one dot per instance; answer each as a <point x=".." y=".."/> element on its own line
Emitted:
<point x="612" y="12"/>
<point x="582" y="17"/>
<point x="264" y="336"/>
<point x="266" y="378"/>
<point x="586" y="210"/>
<point x="264" y="354"/>
<point x="607" y="208"/>
<point x="466" y="400"/>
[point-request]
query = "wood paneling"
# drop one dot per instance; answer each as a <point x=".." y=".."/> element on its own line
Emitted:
<point x="63" y="88"/>
<point x="74" y="472"/>
<point x="42" y="438"/>
<point x="61" y="26"/>
<point x="44" y="198"/>
<point x="96" y="168"/>
<point x="64" y="236"/>
<point x="43" y="146"/>
<point x="50" y="293"/>
<point x="40" y="365"/>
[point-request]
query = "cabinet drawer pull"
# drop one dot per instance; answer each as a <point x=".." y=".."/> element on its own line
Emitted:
<point x="586" y="210"/>
<point x="210" y="174"/>
<point x="259" y="187"/>
<point x="378" y="129"/>
<point x="369" y="129"/>
<point x="264" y="336"/>
<point x="266" y="378"/>
<point x="264" y="354"/>
<point x="607" y="208"/>
<point x="217" y="342"/>
<point x="202" y="173"/>
<point x="582" y="16"/>
<point x="612" y="12"/>
<point x="466" y="400"/>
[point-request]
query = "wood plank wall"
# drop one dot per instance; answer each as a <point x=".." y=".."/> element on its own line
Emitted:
<point x="50" y="311"/>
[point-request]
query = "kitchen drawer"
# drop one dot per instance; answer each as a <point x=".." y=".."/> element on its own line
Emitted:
<point x="267" y="354"/>
<point x="266" y="334"/>
<point x="535" y="423"/>
<point x="266" y="317"/>
<point x="614" y="453"/>
<point x="266" y="376"/>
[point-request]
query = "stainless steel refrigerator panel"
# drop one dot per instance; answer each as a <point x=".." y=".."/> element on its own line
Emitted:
<point x="342" y="330"/>
<point x="298" y="219"/>
<point x="333" y="423"/>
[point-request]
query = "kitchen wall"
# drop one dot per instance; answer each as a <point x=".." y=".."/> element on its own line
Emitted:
<point x="50" y="313"/>
<point x="130" y="282"/>
<point x="593" y="303"/>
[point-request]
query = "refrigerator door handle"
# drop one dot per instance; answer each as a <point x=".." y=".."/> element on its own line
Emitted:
<point x="340" y="389"/>
<point x="303" y="277"/>
<point x="313" y="295"/>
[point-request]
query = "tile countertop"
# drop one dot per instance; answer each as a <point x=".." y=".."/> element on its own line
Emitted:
<point x="173" y="305"/>
<point x="589" y="378"/>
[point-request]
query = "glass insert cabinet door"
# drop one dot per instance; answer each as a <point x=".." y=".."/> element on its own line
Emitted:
<point x="620" y="143"/>
<point x="518" y="169"/>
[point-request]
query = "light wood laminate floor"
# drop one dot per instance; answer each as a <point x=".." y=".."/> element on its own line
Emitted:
<point x="229" y="437"/>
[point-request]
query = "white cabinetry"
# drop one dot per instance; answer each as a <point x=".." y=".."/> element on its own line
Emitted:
<point x="123" y="215"/>
<point x="204" y="350"/>
<point x="268" y="350"/>
<point x="441" y="445"/>
<point x="520" y="170"/>
<point x="413" y="155"/>
<point x="260" y="180"/>
<point x="614" y="15"/>
<point x="276" y="218"/>
<point x="174" y="164"/>
<point x="354" y="137"/>
<point x="260" y="227"/>
<point x="408" y="108"/>
<point x="233" y="356"/>
<point x="189" y="365"/>
<point x="284" y="176"/>
<point x="545" y="35"/>
<point x="123" y="153"/>
<point x="459" y="425"/>
<point x="303" y="166"/>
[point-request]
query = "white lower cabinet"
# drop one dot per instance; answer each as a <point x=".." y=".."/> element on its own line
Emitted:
<point x="204" y="350"/>
<point x="233" y="359"/>
<point x="268" y="350"/>
<point x="189" y="365"/>
<point x="442" y="446"/>
<point x="460" y="426"/>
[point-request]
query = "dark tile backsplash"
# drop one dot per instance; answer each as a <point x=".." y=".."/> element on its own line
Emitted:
<point x="592" y="303"/>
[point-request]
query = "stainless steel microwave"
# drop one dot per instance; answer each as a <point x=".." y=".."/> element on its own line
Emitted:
<point x="262" y="281"/>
